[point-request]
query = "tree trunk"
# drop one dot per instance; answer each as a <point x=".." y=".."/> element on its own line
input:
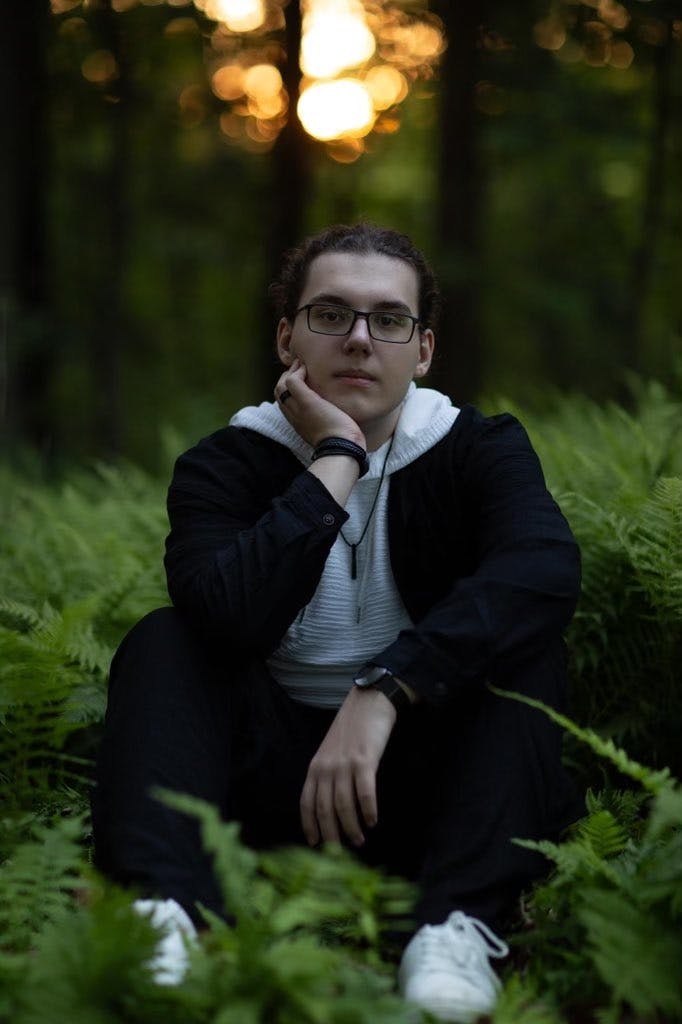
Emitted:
<point x="26" y="352"/>
<point x="108" y="337"/>
<point x="289" y="188"/>
<point x="654" y="201"/>
<point x="458" y="367"/>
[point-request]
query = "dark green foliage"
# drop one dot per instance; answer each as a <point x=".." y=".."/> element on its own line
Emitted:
<point x="38" y="881"/>
<point x="297" y="890"/>
<point x="89" y="963"/>
<point x="618" y="478"/>
<point x="270" y="965"/>
<point x="607" y="926"/>
<point x="80" y="563"/>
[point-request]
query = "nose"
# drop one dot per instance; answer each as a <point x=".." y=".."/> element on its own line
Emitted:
<point x="359" y="337"/>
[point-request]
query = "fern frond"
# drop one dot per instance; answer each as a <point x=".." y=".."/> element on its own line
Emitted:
<point x="638" y="954"/>
<point x="653" y="781"/>
<point x="654" y="545"/>
<point x="603" y="834"/>
<point x="38" y="880"/>
<point x="520" y="1003"/>
<point x="18" y="615"/>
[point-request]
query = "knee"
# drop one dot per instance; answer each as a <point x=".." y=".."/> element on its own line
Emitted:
<point x="157" y="631"/>
<point x="160" y="648"/>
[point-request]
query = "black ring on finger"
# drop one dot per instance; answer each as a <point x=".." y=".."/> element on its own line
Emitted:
<point x="283" y="396"/>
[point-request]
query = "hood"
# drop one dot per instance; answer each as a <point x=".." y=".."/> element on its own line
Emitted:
<point x="425" y="419"/>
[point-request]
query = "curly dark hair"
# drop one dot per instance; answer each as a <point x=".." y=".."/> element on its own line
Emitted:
<point x="364" y="239"/>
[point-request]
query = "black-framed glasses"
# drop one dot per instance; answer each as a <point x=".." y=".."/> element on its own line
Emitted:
<point x="382" y="324"/>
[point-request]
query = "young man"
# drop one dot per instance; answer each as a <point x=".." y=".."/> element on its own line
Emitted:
<point x="350" y="565"/>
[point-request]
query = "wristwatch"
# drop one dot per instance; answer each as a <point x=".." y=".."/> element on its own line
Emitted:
<point x="375" y="677"/>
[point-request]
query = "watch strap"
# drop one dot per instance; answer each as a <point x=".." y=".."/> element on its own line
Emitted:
<point x="391" y="688"/>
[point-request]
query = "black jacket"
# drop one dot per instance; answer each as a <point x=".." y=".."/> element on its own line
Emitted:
<point x="484" y="561"/>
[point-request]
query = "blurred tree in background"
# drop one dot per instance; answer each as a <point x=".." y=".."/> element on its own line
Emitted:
<point x="160" y="154"/>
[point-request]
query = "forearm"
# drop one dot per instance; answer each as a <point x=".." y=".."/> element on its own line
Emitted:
<point x="338" y="473"/>
<point x="245" y="583"/>
<point x="489" y="622"/>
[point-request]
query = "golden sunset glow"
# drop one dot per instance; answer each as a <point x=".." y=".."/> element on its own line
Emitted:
<point x="386" y="85"/>
<point x="331" y="110"/>
<point x="358" y="59"/>
<point x="228" y="82"/>
<point x="335" y="37"/>
<point x="263" y="82"/>
<point x="386" y="47"/>
<point x="237" y="15"/>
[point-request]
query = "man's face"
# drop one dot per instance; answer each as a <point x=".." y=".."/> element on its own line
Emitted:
<point x="365" y="378"/>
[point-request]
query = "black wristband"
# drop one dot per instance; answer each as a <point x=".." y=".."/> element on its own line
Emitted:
<point x="342" y="446"/>
<point x="392" y="689"/>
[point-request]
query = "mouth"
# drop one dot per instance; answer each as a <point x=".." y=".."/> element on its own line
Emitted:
<point x="359" y="375"/>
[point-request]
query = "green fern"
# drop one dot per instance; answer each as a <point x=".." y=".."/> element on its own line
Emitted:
<point x="38" y="880"/>
<point x="615" y="896"/>
<point x="617" y="475"/>
<point x="520" y="1003"/>
<point x="653" y="781"/>
<point x="637" y="954"/>
<point x="296" y="889"/>
<point x="80" y="563"/>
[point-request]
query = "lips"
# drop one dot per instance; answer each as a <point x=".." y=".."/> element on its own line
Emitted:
<point x="355" y="374"/>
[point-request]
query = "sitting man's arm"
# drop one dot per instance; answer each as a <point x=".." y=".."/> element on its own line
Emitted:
<point x="526" y="584"/>
<point x="251" y="530"/>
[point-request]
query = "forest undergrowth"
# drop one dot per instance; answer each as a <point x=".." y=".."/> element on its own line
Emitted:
<point x="599" y="940"/>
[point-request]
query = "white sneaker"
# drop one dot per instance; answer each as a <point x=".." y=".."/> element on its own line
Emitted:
<point x="169" y="963"/>
<point x="445" y="969"/>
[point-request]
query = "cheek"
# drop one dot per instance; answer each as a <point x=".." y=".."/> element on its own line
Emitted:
<point x="402" y="373"/>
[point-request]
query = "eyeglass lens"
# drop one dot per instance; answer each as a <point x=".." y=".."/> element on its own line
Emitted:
<point x="383" y="325"/>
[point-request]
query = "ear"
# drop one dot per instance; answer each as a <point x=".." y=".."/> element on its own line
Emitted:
<point x="427" y="342"/>
<point x="286" y="356"/>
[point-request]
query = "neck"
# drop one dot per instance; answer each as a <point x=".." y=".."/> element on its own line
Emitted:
<point x="378" y="432"/>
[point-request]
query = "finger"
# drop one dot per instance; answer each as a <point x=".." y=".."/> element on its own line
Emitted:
<point x="297" y="375"/>
<point x="366" y="791"/>
<point x="324" y="811"/>
<point x="346" y="811"/>
<point x="307" y="808"/>
<point x="281" y="385"/>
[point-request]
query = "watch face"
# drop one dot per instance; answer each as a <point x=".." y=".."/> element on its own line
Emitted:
<point x="373" y="675"/>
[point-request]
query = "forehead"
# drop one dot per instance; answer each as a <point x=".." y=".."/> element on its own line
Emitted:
<point x="365" y="281"/>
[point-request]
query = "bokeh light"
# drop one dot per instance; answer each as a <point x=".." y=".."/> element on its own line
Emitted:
<point x="332" y="110"/>
<point x="613" y="13"/>
<point x="359" y="59"/>
<point x="335" y="37"/>
<point x="100" y="67"/>
<point x="549" y="33"/>
<point x="622" y="55"/>
<point x="386" y="85"/>
<point x="228" y="82"/>
<point x="237" y="15"/>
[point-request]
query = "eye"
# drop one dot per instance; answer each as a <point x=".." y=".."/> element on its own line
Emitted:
<point x="390" y="320"/>
<point x="332" y="314"/>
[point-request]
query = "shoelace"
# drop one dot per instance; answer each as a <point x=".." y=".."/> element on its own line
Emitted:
<point x="468" y="939"/>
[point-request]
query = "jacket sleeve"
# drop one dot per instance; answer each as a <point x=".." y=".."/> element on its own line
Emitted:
<point x="240" y="563"/>
<point x="525" y="584"/>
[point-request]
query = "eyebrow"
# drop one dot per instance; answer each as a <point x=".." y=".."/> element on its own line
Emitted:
<point x="338" y="300"/>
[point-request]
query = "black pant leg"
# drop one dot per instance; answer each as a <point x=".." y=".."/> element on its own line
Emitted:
<point x="457" y="784"/>
<point x="182" y="717"/>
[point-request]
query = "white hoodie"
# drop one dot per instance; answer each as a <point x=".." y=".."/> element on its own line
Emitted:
<point x="348" y="621"/>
